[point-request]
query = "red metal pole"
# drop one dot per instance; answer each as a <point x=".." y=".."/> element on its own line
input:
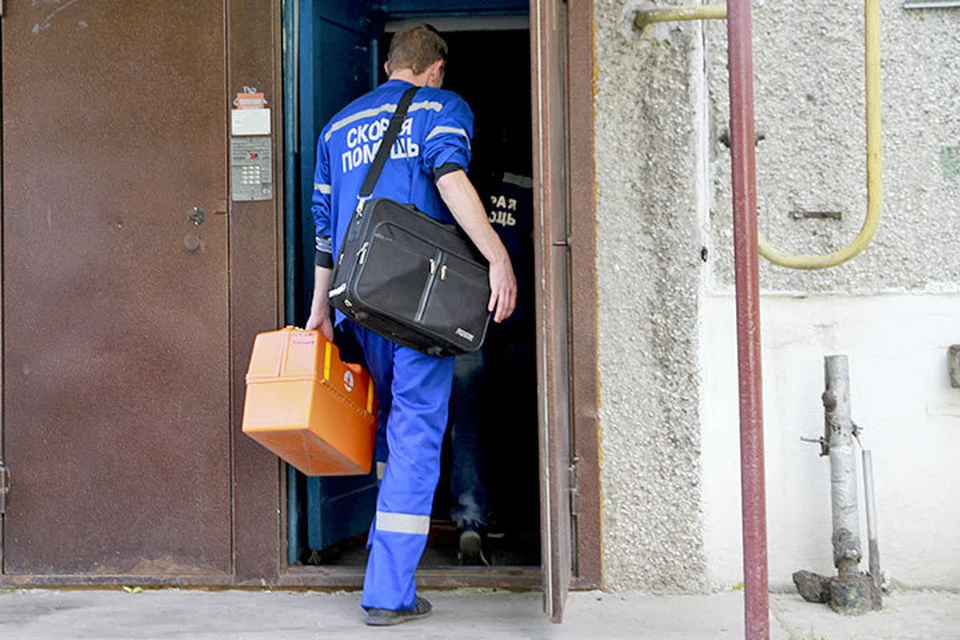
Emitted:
<point x="746" y="266"/>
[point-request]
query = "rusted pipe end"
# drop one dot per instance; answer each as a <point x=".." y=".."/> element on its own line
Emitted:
<point x="854" y="595"/>
<point x="846" y="552"/>
<point x="641" y="21"/>
<point x="851" y="594"/>
<point x="847" y="565"/>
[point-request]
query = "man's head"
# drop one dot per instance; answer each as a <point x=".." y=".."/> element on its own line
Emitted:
<point x="418" y="51"/>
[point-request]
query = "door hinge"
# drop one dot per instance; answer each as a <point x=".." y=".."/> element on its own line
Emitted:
<point x="574" y="482"/>
<point x="4" y="488"/>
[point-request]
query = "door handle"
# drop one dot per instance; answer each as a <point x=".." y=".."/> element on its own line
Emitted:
<point x="196" y="217"/>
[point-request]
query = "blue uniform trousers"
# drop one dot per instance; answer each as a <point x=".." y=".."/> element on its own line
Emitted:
<point x="414" y="388"/>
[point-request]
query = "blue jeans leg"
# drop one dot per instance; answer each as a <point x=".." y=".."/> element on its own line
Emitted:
<point x="467" y="487"/>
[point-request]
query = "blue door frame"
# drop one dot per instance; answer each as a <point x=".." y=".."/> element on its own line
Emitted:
<point x="330" y="57"/>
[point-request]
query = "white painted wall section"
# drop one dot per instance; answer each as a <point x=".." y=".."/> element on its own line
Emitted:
<point x="900" y="396"/>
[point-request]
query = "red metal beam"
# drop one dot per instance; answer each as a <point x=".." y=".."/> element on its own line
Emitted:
<point x="746" y="261"/>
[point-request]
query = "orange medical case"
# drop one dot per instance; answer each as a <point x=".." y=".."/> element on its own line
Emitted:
<point x="305" y="405"/>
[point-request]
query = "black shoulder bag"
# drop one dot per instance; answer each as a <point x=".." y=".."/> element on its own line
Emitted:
<point x="406" y="276"/>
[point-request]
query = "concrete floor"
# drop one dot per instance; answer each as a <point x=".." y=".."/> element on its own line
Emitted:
<point x="286" y="615"/>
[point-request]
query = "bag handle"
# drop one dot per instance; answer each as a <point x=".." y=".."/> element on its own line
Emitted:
<point x="386" y="143"/>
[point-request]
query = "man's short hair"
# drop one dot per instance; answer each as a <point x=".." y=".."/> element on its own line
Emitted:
<point x="416" y="48"/>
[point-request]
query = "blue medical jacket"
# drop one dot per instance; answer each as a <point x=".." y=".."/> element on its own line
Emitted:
<point x="434" y="139"/>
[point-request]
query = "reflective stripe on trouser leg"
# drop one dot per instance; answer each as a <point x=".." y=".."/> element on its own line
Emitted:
<point x="418" y="418"/>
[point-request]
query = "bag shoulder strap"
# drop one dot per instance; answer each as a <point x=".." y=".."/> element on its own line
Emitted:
<point x="386" y="143"/>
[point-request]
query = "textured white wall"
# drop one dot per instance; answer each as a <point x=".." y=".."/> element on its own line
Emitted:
<point x="900" y="396"/>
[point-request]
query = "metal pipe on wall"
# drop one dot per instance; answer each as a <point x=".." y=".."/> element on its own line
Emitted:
<point x="843" y="466"/>
<point x="747" y="270"/>
<point x="645" y="18"/>
<point x="850" y="591"/>
<point x="873" y="546"/>
<point x="871" y="35"/>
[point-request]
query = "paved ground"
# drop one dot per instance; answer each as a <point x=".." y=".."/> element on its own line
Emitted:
<point x="284" y="615"/>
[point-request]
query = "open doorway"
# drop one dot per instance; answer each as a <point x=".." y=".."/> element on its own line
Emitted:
<point x="341" y="51"/>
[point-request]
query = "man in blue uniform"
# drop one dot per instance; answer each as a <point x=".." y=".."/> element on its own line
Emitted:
<point x="427" y="168"/>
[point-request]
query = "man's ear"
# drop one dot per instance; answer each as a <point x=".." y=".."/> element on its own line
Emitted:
<point x="386" y="67"/>
<point x="435" y="73"/>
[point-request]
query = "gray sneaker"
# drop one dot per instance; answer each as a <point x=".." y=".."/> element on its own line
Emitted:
<point x="390" y="617"/>
<point x="471" y="548"/>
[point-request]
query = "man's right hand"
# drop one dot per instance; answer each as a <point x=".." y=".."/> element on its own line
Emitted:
<point x="503" y="290"/>
<point x="461" y="198"/>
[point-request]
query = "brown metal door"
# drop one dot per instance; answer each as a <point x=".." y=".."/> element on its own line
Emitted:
<point x="115" y="368"/>
<point x="553" y="264"/>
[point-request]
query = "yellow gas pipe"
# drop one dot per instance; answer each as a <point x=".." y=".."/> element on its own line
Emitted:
<point x="874" y="161"/>
<point x="672" y="14"/>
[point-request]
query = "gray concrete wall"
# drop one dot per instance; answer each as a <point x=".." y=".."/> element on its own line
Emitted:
<point x="649" y="273"/>
<point x="665" y="265"/>
<point x="809" y="95"/>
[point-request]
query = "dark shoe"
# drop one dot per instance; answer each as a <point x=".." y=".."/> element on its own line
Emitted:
<point x="389" y="617"/>
<point x="471" y="547"/>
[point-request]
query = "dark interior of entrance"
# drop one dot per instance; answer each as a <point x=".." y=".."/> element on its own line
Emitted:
<point x="340" y="49"/>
